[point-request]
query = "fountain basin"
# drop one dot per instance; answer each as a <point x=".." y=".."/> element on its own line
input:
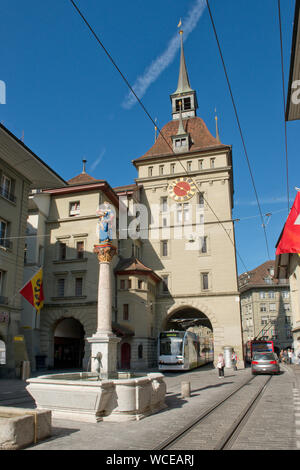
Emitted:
<point x="81" y="396"/>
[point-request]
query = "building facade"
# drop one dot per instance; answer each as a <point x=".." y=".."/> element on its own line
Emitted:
<point x="20" y="170"/>
<point x="266" y="306"/>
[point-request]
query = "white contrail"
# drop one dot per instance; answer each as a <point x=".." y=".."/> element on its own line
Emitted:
<point x="98" y="160"/>
<point x="153" y="71"/>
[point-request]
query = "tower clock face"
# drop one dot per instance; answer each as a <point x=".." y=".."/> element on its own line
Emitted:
<point x="182" y="189"/>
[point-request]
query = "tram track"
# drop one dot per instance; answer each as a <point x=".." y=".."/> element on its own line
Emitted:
<point x="207" y="430"/>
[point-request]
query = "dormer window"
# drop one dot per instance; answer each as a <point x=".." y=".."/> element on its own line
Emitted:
<point x="180" y="142"/>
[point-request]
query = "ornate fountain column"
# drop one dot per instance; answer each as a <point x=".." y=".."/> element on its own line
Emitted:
<point x="104" y="342"/>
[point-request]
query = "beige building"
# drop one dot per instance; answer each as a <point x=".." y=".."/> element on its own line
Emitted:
<point x="176" y="249"/>
<point x="20" y="170"/>
<point x="266" y="306"/>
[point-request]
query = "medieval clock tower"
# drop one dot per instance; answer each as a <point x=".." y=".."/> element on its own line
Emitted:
<point x="186" y="183"/>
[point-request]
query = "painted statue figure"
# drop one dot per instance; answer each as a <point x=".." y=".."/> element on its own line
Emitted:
<point x="104" y="225"/>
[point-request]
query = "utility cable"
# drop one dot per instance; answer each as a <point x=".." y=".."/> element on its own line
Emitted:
<point x="239" y="125"/>
<point x="284" y="106"/>
<point x="152" y="120"/>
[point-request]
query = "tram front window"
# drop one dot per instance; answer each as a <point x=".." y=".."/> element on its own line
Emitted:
<point x="171" y="346"/>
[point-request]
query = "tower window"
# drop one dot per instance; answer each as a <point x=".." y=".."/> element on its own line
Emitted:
<point x="80" y="250"/>
<point x="177" y="104"/>
<point x="187" y="103"/>
<point x="164" y="247"/>
<point x="126" y="312"/>
<point x="61" y="287"/>
<point x="204" y="281"/>
<point x="78" y="286"/>
<point x="62" y="250"/>
<point x="201" y="199"/>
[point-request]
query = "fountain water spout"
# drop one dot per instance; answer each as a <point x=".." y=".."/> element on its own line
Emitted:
<point x="98" y="368"/>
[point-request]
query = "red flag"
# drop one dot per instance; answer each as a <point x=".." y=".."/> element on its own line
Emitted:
<point x="290" y="239"/>
<point x="33" y="290"/>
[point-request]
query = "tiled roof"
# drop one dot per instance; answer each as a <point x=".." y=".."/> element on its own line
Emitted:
<point x="258" y="276"/>
<point x="200" y="136"/>
<point x="133" y="264"/>
<point x="83" y="178"/>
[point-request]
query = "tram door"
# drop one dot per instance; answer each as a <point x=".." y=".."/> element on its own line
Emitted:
<point x="125" y="356"/>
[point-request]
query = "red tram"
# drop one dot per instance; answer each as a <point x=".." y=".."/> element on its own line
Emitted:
<point x="258" y="345"/>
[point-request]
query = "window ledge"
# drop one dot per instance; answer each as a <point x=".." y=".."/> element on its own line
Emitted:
<point x="70" y="297"/>
<point x="71" y="260"/>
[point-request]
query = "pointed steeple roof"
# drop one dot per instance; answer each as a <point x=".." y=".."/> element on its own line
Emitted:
<point x="184" y="93"/>
<point x="183" y="78"/>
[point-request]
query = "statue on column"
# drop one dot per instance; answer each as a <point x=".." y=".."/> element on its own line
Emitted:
<point x="104" y="225"/>
<point x="104" y="231"/>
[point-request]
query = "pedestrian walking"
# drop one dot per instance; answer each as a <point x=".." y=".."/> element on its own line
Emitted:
<point x="281" y="356"/>
<point x="284" y="356"/>
<point x="234" y="360"/>
<point x="221" y="365"/>
<point x="297" y="357"/>
<point x="290" y="356"/>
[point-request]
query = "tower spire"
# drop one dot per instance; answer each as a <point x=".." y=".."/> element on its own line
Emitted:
<point x="184" y="93"/>
<point x="183" y="78"/>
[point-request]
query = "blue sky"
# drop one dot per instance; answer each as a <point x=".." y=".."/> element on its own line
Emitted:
<point x="64" y="93"/>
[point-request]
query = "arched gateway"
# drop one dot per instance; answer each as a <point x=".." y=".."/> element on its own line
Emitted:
<point x="198" y="316"/>
<point x="191" y="317"/>
<point x="63" y="338"/>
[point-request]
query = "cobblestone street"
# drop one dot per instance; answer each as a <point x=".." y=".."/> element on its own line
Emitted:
<point x="273" y="425"/>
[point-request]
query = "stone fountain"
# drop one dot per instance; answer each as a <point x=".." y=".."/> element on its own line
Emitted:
<point x="104" y="393"/>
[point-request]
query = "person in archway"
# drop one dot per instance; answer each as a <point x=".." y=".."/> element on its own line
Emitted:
<point x="221" y="365"/>
<point x="234" y="360"/>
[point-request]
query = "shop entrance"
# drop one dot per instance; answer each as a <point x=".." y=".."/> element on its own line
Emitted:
<point x="68" y="344"/>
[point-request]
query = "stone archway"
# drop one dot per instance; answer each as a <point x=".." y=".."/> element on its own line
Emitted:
<point x="49" y="321"/>
<point x="201" y="311"/>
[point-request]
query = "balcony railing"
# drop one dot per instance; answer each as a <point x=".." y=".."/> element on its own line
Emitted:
<point x="7" y="194"/>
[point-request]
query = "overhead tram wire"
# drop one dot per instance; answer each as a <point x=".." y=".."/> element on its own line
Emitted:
<point x="284" y="107"/>
<point x="152" y="120"/>
<point x="239" y="125"/>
